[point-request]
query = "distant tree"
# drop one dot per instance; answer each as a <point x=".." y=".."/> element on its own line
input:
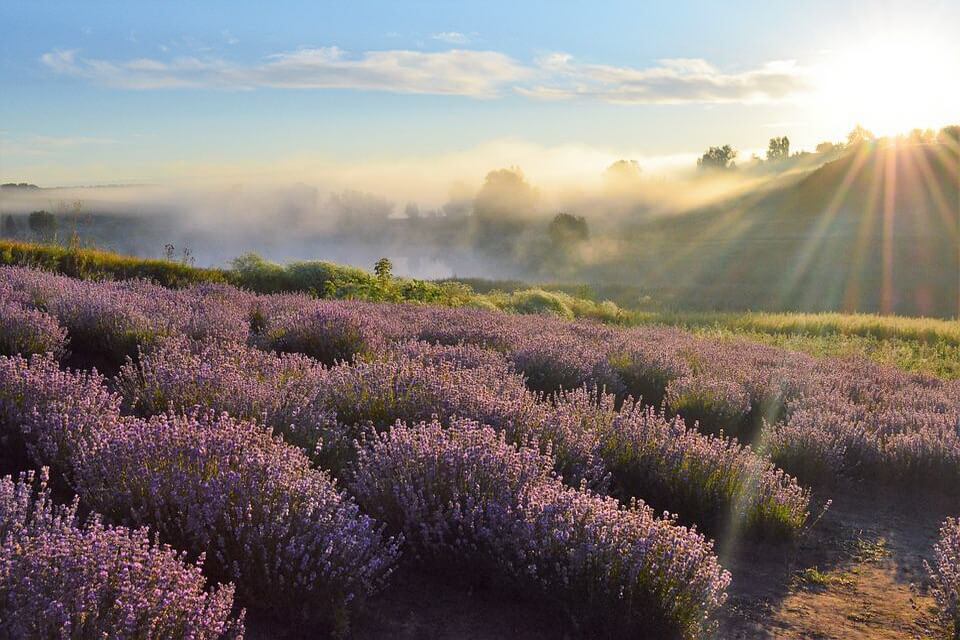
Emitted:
<point x="566" y="229"/>
<point x="43" y="224"/>
<point x="828" y="147"/>
<point x="505" y="205"/>
<point x="412" y="211"/>
<point x="778" y="149"/>
<point x="949" y="135"/>
<point x="623" y="170"/>
<point x="10" y="228"/>
<point x="859" y="135"/>
<point x="383" y="269"/>
<point x="718" y="158"/>
<point x="922" y="136"/>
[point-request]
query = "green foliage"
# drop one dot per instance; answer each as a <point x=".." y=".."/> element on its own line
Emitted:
<point x="718" y="158"/>
<point x="383" y="269"/>
<point x="778" y="149"/>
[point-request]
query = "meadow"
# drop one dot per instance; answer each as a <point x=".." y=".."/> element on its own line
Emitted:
<point x="283" y="462"/>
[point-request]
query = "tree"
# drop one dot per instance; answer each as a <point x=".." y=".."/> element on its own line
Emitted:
<point x="10" y="228"/>
<point x="859" y="135"/>
<point x="566" y="230"/>
<point x="383" y="269"/>
<point x="43" y="224"/>
<point x="718" y="158"/>
<point x="922" y="136"/>
<point x="778" y="149"/>
<point x="828" y="147"/>
<point x="950" y="135"/>
<point x="505" y="205"/>
<point x="623" y="171"/>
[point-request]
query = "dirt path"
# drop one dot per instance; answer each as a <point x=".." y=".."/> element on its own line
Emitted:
<point x="859" y="574"/>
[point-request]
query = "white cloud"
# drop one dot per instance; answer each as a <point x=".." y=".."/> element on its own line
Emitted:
<point x="671" y="81"/>
<point x="454" y="72"/>
<point x="479" y="74"/>
<point x="451" y="37"/>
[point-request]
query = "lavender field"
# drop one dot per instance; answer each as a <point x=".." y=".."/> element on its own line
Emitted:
<point x="182" y="460"/>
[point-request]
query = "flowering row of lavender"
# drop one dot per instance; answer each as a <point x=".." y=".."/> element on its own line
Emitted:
<point x="633" y="451"/>
<point x="61" y="579"/>
<point x="272" y="524"/>
<point x="465" y="499"/>
<point x="632" y="413"/>
<point x="264" y="518"/>
<point x="816" y="418"/>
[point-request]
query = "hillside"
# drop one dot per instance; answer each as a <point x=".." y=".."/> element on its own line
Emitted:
<point x="874" y="231"/>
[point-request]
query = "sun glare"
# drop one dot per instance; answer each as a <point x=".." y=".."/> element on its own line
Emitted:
<point x="891" y="83"/>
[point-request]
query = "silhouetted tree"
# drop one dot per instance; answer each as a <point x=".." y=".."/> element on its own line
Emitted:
<point x="566" y="230"/>
<point x="830" y="147"/>
<point x="10" y="228"/>
<point x="778" y="149"/>
<point x="859" y="135"/>
<point x="718" y="158"/>
<point x="504" y="206"/>
<point x="43" y="224"/>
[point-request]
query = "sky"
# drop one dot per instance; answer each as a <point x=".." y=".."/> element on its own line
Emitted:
<point x="368" y="93"/>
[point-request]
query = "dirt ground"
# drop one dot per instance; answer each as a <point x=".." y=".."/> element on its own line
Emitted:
<point x="857" y="574"/>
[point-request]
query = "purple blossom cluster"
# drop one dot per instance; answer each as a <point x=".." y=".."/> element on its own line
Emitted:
<point x="60" y="579"/>
<point x="27" y="331"/>
<point x="464" y="496"/>
<point x="945" y="574"/>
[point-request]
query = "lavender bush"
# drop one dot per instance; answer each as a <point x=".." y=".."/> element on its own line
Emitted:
<point x="464" y="495"/>
<point x="265" y="519"/>
<point x="61" y="579"/>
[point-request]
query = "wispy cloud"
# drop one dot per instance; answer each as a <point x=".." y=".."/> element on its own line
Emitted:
<point x="454" y="72"/>
<point x="451" y="37"/>
<point x="671" y="81"/>
<point x="473" y="73"/>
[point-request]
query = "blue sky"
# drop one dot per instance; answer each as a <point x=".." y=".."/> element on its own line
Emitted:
<point x="153" y="92"/>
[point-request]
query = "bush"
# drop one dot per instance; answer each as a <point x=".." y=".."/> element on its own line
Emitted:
<point x="463" y="495"/>
<point x="293" y="544"/>
<point x="945" y="575"/>
<point x="27" y="331"/>
<point x="60" y="579"/>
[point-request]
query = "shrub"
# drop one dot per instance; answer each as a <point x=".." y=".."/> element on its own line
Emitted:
<point x="266" y="520"/>
<point x="945" y="575"/>
<point x="27" y="331"/>
<point x="53" y="417"/>
<point x="278" y="391"/>
<point x="463" y="495"/>
<point x="60" y="579"/>
<point x="708" y="480"/>
<point x="330" y="332"/>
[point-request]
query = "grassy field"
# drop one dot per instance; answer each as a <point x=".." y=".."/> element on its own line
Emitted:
<point x="920" y="345"/>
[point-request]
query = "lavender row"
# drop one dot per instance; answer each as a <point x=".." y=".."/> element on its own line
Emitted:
<point x="705" y="479"/>
<point x="816" y="418"/>
<point x="265" y="518"/>
<point x="467" y="500"/>
<point x="59" y="578"/>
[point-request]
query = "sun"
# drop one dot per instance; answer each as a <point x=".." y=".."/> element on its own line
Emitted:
<point x="891" y="83"/>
